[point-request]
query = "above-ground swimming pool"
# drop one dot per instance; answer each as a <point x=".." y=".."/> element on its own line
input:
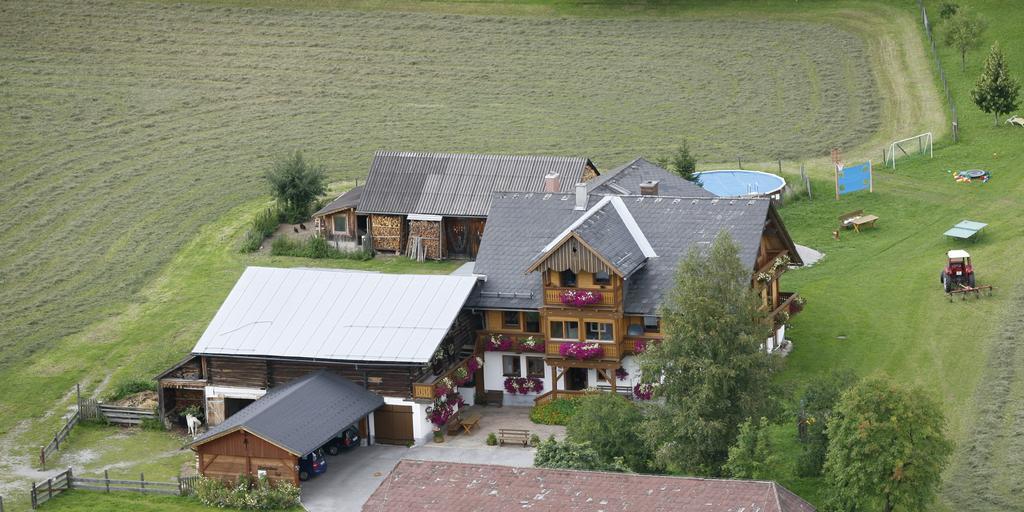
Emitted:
<point x="741" y="183"/>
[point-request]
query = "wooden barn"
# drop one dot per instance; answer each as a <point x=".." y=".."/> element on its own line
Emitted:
<point x="268" y="437"/>
<point x="392" y="335"/>
<point x="337" y="221"/>
<point x="437" y="203"/>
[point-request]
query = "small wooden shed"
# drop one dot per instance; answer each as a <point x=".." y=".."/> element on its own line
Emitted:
<point x="269" y="436"/>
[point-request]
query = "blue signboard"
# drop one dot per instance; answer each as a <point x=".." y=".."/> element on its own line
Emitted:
<point x="853" y="179"/>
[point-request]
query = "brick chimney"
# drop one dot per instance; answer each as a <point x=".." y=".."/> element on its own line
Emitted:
<point x="581" y="196"/>
<point x="649" y="188"/>
<point x="551" y="183"/>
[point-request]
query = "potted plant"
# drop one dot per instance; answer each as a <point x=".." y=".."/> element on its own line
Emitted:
<point x="438" y="434"/>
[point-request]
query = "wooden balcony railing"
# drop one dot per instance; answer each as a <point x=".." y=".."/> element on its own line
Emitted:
<point x="612" y="350"/>
<point x="424" y="390"/>
<point x="788" y="303"/>
<point x="553" y="297"/>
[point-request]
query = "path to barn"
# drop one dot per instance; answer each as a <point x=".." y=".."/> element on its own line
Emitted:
<point x="354" y="475"/>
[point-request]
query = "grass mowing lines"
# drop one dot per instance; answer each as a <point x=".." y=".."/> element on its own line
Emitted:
<point x="123" y="142"/>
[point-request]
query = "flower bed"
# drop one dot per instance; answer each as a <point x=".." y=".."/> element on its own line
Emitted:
<point x="580" y="298"/>
<point x="581" y="350"/>
<point x="523" y="385"/>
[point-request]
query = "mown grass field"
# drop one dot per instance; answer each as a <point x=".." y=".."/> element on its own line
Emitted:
<point x="134" y="136"/>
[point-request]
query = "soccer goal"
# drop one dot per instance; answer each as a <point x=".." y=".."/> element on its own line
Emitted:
<point x="924" y="145"/>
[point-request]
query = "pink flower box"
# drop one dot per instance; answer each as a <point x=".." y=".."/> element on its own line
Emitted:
<point x="499" y="343"/>
<point x="581" y="350"/>
<point x="580" y="298"/>
<point x="523" y="385"/>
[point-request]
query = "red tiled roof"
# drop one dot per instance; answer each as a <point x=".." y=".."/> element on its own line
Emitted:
<point x="452" y="487"/>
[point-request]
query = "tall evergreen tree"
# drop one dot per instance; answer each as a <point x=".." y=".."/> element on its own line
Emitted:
<point x="713" y="372"/>
<point x="996" y="92"/>
<point x="886" y="449"/>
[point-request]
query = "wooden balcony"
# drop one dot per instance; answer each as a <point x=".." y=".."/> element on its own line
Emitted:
<point x="789" y="305"/>
<point x="609" y="297"/>
<point x="613" y="351"/>
<point x="424" y="389"/>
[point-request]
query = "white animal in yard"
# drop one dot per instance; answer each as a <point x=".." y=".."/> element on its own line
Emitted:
<point x="193" y="425"/>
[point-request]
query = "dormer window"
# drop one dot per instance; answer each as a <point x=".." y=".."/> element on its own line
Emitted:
<point x="652" y="324"/>
<point x="602" y="278"/>
<point x="567" y="278"/>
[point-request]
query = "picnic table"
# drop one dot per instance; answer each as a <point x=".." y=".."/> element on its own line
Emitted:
<point x="966" y="230"/>
<point x="857" y="219"/>
<point x="470" y="421"/>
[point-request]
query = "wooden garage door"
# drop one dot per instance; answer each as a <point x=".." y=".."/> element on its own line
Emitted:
<point x="392" y="424"/>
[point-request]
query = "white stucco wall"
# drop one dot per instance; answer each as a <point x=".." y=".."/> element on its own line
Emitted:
<point x="494" y="378"/>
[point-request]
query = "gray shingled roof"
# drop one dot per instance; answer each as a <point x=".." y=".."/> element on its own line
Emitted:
<point x="349" y="199"/>
<point x="302" y="415"/>
<point x="520" y="225"/>
<point x="457" y="184"/>
<point x="626" y="180"/>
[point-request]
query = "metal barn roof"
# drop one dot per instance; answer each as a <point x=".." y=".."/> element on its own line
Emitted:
<point x="458" y="184"/>
<point x="335" y="315"/>
<point x="302" y="415"/>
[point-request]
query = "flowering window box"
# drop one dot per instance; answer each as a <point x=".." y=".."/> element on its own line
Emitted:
<point x="498" y="343"/>
<point x="580" y="298"/>
<point x="523" y="385"/>
<point x="581" y="350"/>
<point x="530" y="344"/>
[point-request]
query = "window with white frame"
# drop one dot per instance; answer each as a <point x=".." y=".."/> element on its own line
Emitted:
<point x="599" y="331"/>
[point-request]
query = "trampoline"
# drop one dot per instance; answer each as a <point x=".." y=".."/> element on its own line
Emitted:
<point x="736" y="183"/>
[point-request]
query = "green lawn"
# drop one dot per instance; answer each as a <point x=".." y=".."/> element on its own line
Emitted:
<point x="86" y="501"/>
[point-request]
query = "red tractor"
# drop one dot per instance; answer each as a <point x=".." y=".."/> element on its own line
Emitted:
<point x="958" y="274"/>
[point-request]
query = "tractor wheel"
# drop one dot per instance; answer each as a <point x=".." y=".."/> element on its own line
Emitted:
<point x="970" y="280"/>
<point x="947" y="283"/>
<point x="942" y="276"/>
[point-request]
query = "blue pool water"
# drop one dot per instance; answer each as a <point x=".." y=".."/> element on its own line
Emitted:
<point x="741" y="183"/>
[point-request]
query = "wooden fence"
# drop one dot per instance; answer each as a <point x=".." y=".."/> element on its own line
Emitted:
<point x="60" y="436"/>
<point x="125" y="415"/>
<point x="942" y="73"/>
<point x="43" y="491"/>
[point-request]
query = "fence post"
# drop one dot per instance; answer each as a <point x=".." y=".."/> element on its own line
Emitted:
<point x="70" y="480"/>
<point x="32" y="495"/>
<point x="181" y="490"/>
<point x="780" y="166"/>
<point x="56" y="440"/>
<point x="142" y="480"/>
<point x="42" y="457"/>
<point x="49" y="488"/>
<point x="106" y="477"/>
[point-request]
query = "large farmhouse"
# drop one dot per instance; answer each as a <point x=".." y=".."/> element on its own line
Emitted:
<point x="437" y="203"/>
<point x="565" y="291"/>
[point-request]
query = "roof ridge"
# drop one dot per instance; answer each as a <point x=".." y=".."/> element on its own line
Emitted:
<point x="398" y="152"/>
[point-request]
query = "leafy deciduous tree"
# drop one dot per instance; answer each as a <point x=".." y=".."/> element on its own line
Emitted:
<point x="296" y="184"/>
<point x="816" y="404"/>
<point x="886" y="448"/>
<point x="963" y="32"/>
<point x="714" y="373"/>
<point x="996" y="92"/>
<point x="611" y="425"/>
<point x="751" y="456"/>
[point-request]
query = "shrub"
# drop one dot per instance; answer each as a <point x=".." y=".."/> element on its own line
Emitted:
<point x="492" y="440"/>
<point x="611" y="425"/>
<point x="247" y="494"/>
<point x="152" y="424"/>
<point x="194" y="411"/>
<point x="314" y="247"/>
<point x="572" y="455"/>
<point x="263" y="225"/>
<point x="554" y="412"/>
<point x="751" y="456"/>
<point x="129" y="387"/>
<point x="534" y="440"/>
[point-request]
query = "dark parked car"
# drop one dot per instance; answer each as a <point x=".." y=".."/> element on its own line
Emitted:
<point x="344" y="440"/>
<point x="312" y="464"/>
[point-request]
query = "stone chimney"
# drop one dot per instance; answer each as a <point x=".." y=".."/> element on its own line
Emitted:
<point x="649" y="188"/>
<point x="581" y="196"/>
<point x="551" y="183"/>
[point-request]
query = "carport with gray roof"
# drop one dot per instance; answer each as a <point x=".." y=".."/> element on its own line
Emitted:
<point x="302" y="415"/>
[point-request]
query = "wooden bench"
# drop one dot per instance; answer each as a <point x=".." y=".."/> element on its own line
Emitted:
<point x="856" y="219"/>
<point x="470" y="421"/>
<point x="513" y="435"/>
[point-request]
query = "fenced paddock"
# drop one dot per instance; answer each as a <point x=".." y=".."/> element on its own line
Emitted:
<point x="44" y="491"/>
